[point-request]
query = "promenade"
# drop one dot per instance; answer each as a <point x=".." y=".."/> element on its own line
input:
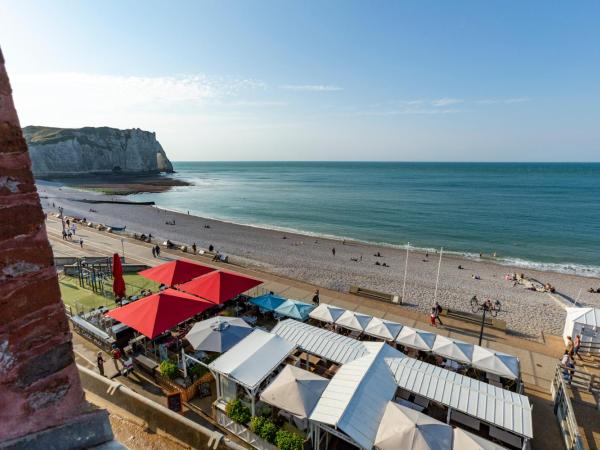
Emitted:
<point x="538" y="360"/>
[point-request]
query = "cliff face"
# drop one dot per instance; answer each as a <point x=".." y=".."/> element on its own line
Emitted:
<point x="79" y="151"/>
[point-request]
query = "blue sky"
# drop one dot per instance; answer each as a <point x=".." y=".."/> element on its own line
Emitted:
<point x="335" y="80"/>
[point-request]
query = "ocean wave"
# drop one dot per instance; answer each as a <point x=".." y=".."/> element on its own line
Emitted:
<point x="568" y="268"/>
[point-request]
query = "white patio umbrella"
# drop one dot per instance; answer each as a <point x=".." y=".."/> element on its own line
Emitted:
<point x="500" y="364"/>
<point x="402" y="427"/>
<point x="419" y="339"/>
<point x="295" y="390"/>
<point x="452" y="349"/>
<point x="353" y="320"/>
<point x="218" y="334"/>
<point x="384" y="329"/>
<point x="463" y="440"/>
<point x="326" y="313"/>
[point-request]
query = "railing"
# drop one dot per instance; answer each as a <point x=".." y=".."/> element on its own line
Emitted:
<point x="563" y="410"/>
<point x="242" y="432"/>
<point x="590" y="347"/>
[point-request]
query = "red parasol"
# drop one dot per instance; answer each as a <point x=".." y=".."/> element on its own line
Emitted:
<point x="220" y="286"/>
<point x="175" y="272"/>
<point x="118" y="281"/>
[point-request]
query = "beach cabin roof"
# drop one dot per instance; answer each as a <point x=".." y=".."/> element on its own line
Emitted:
<point x="295" y="390"/>
<point x="253" y="359"/>
<point x="384" y="329"/>
<point x="175" y="272"/>
<point x="353" y="320"/>
<point x="157" y="313"/>
<point x="323" y="343"/>
<point x="501" y="364"/>
<point x="326" y="313"/>
<point x="220" y="286"/>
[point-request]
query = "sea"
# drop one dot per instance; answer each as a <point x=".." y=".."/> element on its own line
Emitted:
<point x="533" y="215"/>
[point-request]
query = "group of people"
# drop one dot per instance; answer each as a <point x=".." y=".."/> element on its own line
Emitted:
<point x="125" y="362"/>
<point x="568" y="359"/>
<point x="70" y="230"/>
<point x="156" y="251"/>
<point x="434" y="317"/>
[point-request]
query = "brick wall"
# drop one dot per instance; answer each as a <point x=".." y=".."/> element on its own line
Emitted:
<point x="39" y="383"/>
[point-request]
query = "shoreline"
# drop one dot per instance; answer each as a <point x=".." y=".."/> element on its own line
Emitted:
<point x="310" y="259"/>
<point x="119" y="184"/>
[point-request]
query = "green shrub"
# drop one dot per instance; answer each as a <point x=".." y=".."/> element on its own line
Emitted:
<point x="287" y="440"/>
<point x="169" y="369"/>
<point x="269" y="431"/>
<point x="197" y="371"/>
<point x="256" y="424"/>
<point x="238" y="412"/>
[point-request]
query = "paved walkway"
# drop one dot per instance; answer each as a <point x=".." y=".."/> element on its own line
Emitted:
<point x="538" y="361"/>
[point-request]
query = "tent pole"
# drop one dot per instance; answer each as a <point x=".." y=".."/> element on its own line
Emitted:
<point x="184" y="362"/>
<point x="405" y="272"/>
<point x="448" y="416"/>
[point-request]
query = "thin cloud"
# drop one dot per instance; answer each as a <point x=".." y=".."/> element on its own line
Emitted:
<point x="506" y="101"/>
<point x="311" y="87"/>
<point x="446" y="101"/>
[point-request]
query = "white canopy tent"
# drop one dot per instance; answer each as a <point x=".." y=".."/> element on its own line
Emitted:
<point x="326" y="313"/>
<point x="584" y="322"/>
<point x="295" y="390"/>
<point x="402" y="427"/>
<point x="249" y="363"/>
<point x="384" y="329"/>
<point x="413" y="338"/>
<point x="500" y="364"/>
<point x="463" y="440"/>
<point x="453" y="349"/>
<point x="353" y="320"/>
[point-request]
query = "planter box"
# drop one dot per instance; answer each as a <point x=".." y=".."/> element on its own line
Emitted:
<point x="242" y="432"/>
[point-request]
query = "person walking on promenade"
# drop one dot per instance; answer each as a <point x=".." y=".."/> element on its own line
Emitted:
<point x="569" y="348"/>
<point x="438" y="311"/>
<point x="315" y="298"/>
<point x="153" y="251"/>
<point x="194" y="248"/>
<point x="81" y="242"/>
<point x="577" y="346"/>
<point x="432" y="316"/>
<point x="157" y="250"/>
<point x="116" y="357"/>
<point x="100" y="362"/>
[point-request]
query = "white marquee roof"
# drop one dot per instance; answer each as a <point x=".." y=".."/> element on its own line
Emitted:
<point x="491" y="361"/>
<point x="453" y="349"/>
<point x="586" y="316"/>
<point x="419" y="339"/>
<point x="326" y="344"/>
<point x="384" y="329"/>
<point x="326" y="313"/>
<point x="353" y="320"/>
<point x="253" y="359"/>
<point x="494" y="405"/>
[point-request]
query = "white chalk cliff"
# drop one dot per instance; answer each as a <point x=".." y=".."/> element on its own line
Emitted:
<point x="59" y="152"/>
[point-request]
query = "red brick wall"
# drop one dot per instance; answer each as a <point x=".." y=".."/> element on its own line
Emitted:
<point x="39" y="383"/>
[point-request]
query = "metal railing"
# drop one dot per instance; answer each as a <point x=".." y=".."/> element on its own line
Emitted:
<point x="563" y="410"/>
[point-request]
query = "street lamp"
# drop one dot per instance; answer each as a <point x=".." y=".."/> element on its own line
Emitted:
<point x="123" y="248"/>
<point x="486" y="307"/>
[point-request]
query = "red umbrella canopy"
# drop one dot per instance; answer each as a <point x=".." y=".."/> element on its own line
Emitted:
<point x="175" y="272"/>
<point x="157" y="313"/>
<point x="219" y="286"/>
<point x="118" y="281"/>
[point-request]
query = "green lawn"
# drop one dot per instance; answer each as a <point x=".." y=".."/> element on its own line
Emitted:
<point x="77" y="297"/>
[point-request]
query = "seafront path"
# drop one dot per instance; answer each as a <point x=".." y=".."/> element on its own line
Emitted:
<point x="538" y="360"/>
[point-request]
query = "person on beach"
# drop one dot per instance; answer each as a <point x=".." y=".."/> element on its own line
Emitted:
<point x="315" y="298"/>
<point x="211" y="248"/>
<point x="81" y="242"/>
<point x="438" y="311"/>
<point x="577" y="346"/>
<point x="333" y="251"/>
<point x="100" y="362"/>
<point x="194" y="248"/>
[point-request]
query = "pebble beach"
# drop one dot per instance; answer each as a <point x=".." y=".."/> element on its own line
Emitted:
<point x="308" y="258"/>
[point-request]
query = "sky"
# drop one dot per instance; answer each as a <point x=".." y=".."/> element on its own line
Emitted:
<point x="313" y="80"/>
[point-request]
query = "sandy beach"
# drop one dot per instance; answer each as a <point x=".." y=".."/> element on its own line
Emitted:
<point x="310" y="259"/>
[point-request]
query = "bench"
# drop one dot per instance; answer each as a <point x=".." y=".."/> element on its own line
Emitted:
<point x="375" y="295"/>
<point x="474" y="318"/>
<point x="145" y="364"/>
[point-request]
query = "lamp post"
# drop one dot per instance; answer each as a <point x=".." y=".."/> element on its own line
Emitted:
<point x="405" y="271"/>
<point x="486" y="307"/>
<point x="123" y="248"/>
